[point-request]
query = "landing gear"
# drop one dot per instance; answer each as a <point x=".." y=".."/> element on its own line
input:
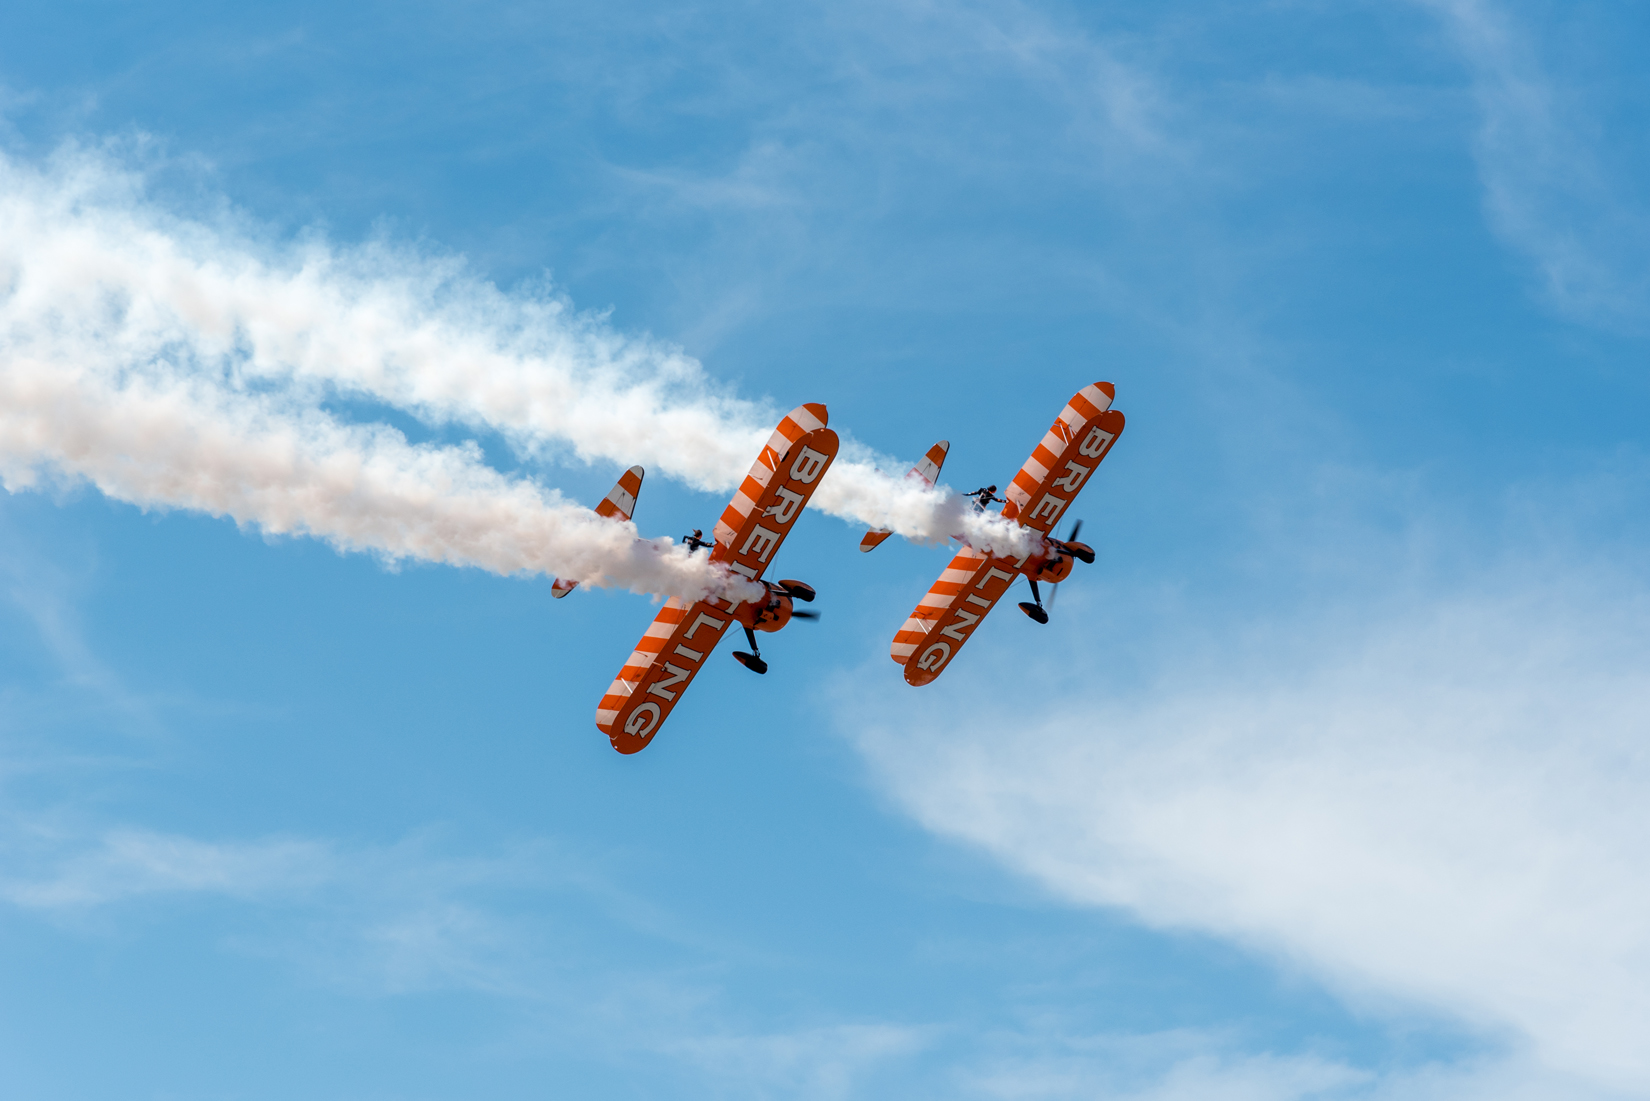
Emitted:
<point x="1055" y="569"/>
<point x="1034" y="610"/>
<point x="752" y="661"/>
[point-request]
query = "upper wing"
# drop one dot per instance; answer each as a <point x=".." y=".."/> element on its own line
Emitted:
<point x="970" y="587"/>
<point x="619" y="504"/>
<point x="928" y="469"/>
<point x="749" y="533"/>
<point x="1060" y="466"/>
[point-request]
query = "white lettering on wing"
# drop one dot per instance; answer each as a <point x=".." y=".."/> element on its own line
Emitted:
<point x="807" y="466"/>
<point x="934" y="657"/>
<point x="642" y="720"/>
<point x="763" y="540"/>
<point x="1095" y="443"/>
<point x="1074" y="477"/>
<point x="784" y="510"/>
<point x="661" y="687"/>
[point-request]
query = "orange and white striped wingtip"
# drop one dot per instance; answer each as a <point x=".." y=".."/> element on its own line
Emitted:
<point x="928" y="470"/>
<point x="1085" y="405"/>
<point x="619" y="504"/>
<point x="796" y="424"/>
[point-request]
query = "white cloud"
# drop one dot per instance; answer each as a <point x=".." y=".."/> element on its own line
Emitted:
<point x="1548" y="185"/>
<point x="824" y="1062"/>
<point x="127" y="863"/>
<point x="1443" y="801"/>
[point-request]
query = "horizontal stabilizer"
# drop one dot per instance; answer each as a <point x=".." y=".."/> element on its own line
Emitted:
<point x="929" y="471"/>
<point x="619" y="504"/>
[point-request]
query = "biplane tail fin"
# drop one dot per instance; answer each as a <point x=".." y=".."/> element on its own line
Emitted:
<point x="928" y="469"/>
<point x="619" y="504"/>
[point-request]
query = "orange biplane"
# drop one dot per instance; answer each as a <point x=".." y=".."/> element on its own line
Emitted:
<point x="1042" y="491"/>
<point x="746" y="538"/>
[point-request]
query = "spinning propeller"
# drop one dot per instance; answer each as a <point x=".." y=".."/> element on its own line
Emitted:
<point x="795" y="590"/>
<point x="1082" y="552"/>
<point x="1054" y="589"/>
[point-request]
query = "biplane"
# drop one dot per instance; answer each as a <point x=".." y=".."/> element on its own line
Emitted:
<point x="619" y="504"/>
<point x="746" y="538"/>
<point x="1079" y="440"/>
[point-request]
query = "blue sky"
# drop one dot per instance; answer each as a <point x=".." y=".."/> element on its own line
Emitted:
<point x="1327" y="781"/>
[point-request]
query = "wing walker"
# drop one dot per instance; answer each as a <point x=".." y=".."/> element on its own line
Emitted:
<point x="745" y="540"/>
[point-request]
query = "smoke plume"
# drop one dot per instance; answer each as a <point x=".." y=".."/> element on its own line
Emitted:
<point x="183" y="363"/>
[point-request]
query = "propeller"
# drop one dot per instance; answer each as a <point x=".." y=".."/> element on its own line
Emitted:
<point x="1080" y="551"/>
<point x="1054" y="590"/>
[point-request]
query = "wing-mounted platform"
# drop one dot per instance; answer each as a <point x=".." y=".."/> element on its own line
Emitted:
<point x="619" y="504"/>
<point x="928" y="471"/>
<point x="1040" y="494"/>
<point x="748" y="535"/>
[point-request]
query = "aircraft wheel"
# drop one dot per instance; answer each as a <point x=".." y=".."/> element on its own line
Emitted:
<point x="1082" y="552"/>
<point x="1028" y="608"/>
<point x="750" y="661"/>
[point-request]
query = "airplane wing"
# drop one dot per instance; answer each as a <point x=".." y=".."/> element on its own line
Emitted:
<point x="929" y="471"/>
<point x="619" y="504"/>
<point x="749" y="533"/>
<point x="971" y="585"/>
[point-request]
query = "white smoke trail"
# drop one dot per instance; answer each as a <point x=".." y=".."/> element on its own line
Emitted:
<point x="363" y="488"/>
<point x="246" y="339"/>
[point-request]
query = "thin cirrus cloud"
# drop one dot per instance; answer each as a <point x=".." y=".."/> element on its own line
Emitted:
<point x="1439" y="801"/>
<point x="1548" y="190"/>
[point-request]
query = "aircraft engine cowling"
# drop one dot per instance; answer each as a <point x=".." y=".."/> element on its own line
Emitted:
<point x="771" y="615"/>
<point x="1053" y="569"/>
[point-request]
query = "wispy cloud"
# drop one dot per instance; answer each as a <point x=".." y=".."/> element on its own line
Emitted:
<point x="1549" y="189"/>
<point x="824" y="1063"/>
<point x="1441" y="799"/>
<point x="124" y="864"/>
